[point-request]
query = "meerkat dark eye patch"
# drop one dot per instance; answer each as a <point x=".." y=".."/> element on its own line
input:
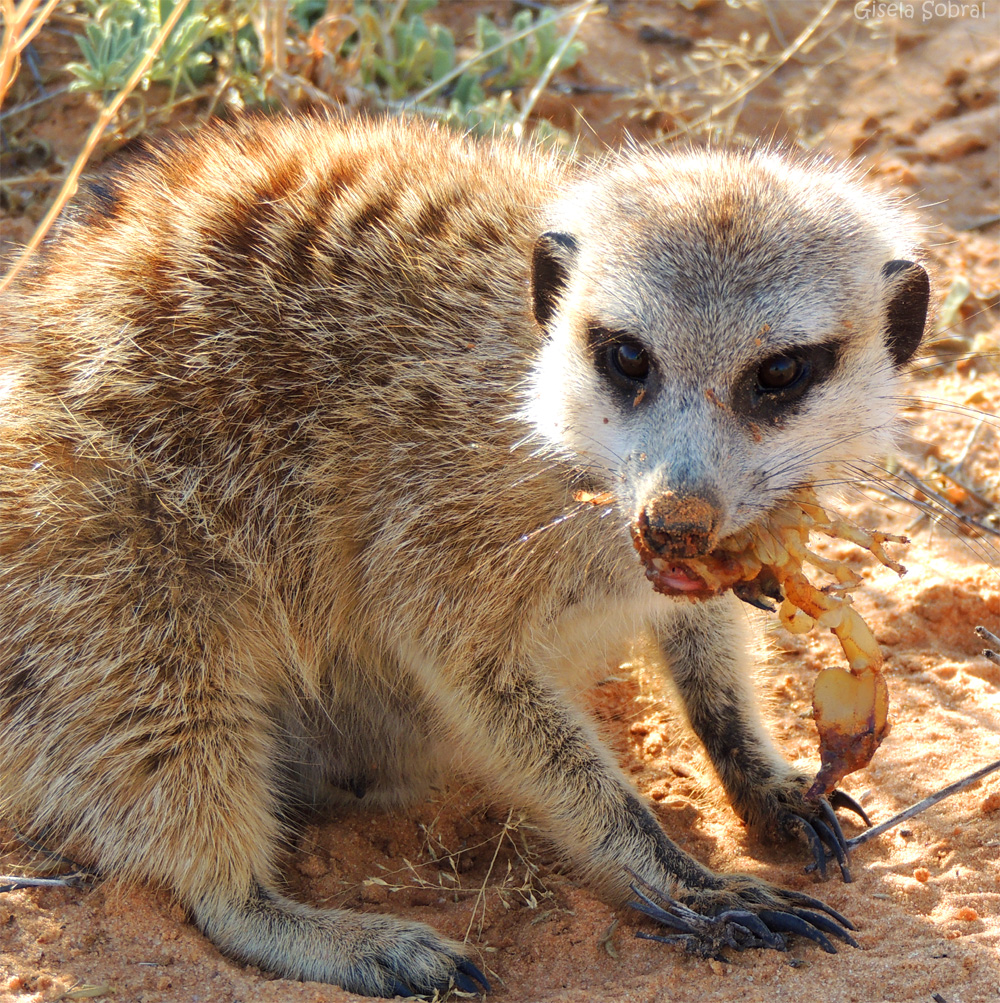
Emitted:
<point x="906" y="312"/>
<point x="773" y="388"/>
<point x="551" y="260"/>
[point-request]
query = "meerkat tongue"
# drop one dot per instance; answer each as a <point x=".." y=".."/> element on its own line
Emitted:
<point x="676" y="577"/>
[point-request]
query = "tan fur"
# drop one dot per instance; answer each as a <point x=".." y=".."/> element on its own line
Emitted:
<point x="285" y="460"/>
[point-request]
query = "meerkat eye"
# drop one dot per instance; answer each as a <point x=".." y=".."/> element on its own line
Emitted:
<point x="623" y="359"/>
<point x="780" y="373"/>
<point x="628" y="359"/>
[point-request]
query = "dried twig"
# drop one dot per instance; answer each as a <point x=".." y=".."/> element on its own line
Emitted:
<point x="933" y="799"/>
<point x="553" y="63"/>
<point x="758" y="78"/>
<point x="970" y="522"/>
<point x="443" y="81"/>
<point x="13" y="882"/>
<point x="76" y="875"/>
<point x="19" y="30"/>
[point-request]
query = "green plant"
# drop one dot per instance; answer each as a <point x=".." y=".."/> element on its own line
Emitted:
<point x="535" y="42"/>
<point x="143" y="59"/>
<point x="401" y="55"/>
<point x="391" y="51"/>
<point x="119" y="33"/>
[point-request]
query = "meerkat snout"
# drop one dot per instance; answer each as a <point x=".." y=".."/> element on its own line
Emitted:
<point x="680" y="524"/>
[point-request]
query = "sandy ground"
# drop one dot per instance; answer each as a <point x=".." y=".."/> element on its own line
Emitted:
<point x="917" y="104"/>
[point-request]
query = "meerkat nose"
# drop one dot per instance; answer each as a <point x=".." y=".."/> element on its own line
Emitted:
<point x="681" y="524"/>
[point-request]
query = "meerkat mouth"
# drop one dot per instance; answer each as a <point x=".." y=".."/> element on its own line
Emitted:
<point x="675" y="579"/>
<point x="692" y="577"/>
<point x="767" y="561"/>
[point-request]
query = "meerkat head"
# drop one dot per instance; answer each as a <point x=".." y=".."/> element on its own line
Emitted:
<point x="720" y="329"/>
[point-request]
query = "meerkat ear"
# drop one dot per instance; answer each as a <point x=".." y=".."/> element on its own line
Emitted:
<point x="551" y="259"/>
<point x="906" y="312"/>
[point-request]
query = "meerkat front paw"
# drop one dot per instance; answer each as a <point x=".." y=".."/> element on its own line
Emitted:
<point x="741" y="912"/>
<point x="781" y="811"/>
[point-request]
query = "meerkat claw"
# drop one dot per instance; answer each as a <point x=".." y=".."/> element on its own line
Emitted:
<point x="824" y="923"/>
<point x="742" y="929"/>
<point x="831" y="843"/>
<point x="753" y="923"/>
<point x="815" y="904"/>
<point x="649" y="908"/>
<point x="471" y="975"/>
<point x="816" y="846"/>
<point x="839" y="799"/>
<point x="465" y="985"/>
<point x="465" y="977"/>
<point x="794" y="923"/>
<point x="825" y="835"/>
<point x="835" y="841"/>
<point x="690" y="943"/>
<point x="706" y="935"/>
<point x="830" y="817"/>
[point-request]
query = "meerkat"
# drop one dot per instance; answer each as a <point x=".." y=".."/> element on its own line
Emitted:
<point x="295" y="416"/>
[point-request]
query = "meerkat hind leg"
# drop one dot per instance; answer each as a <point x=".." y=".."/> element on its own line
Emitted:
<point x="180" y="784"/>
<point x="247" y="917"/>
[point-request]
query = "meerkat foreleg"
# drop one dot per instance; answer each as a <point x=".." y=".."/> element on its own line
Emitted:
<point x="549" y="761"/>
<point x="704" y="647"/>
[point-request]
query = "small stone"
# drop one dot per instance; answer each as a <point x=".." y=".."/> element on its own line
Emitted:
<point x="954" y="138"/>
<point x="922" y="875"/>
<point x="888" y="636"/>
